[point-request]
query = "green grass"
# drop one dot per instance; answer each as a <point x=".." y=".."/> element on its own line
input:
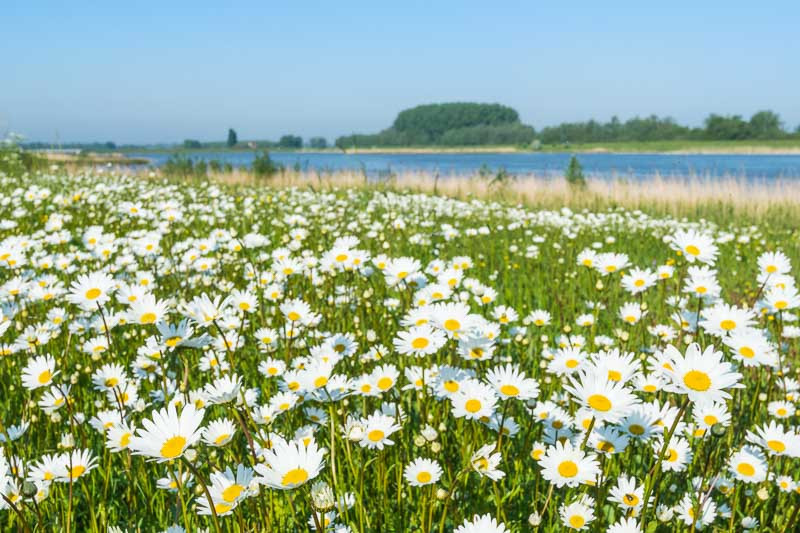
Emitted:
<point x="528" y="256"/>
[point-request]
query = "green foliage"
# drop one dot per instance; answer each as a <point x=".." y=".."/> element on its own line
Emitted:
<point x="232" y="138"/>
<point x="263" y="166"/>
<point x="574" y="175"/>
<point x="180" y="165"/>
<point x="318" y="143"/>
<point x="14" y="161"/>
<point x="191" y="144"/>
<point x="290" y="141"/>
<point x="762" y="125"/>
<point x="452" y="124"/>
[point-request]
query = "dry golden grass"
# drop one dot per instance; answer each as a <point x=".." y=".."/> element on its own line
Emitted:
<point x="772" y="201"/>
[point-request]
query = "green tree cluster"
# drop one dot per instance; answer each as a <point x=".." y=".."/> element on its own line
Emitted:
<point x="449" y="124"/>
<point x="762" y="125"/>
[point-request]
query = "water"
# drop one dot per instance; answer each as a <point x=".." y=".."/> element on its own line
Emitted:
<point x="751" y="167"/>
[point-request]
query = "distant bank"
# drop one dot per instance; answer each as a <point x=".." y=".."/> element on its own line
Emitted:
<point x="744" y="147"/>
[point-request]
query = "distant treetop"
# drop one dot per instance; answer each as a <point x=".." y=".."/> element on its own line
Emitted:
<point x="448" y="124"/>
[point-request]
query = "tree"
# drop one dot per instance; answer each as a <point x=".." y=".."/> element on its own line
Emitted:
<point x="766" y="125"/>
<point x="318" y="143"/>
<point x="191" y="143"/>
<point x="291" y="141"/>
<point x="232" y="138"/>
<point x="574" y="174"/>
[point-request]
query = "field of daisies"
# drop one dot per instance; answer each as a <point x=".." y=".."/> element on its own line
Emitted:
<point x="197" y="357"/>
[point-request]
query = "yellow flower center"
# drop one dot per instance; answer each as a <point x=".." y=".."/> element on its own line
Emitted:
<point x="451" y="386"/>
<point x="173" y="447"/>
<point x="385" y="383"/>
<point x="576" y="521"/>
<point x="473" y="405"/>
<point x="222" y="438"/>
<point x="294" y="477"/>
<point x="419" y="343"/>
<point x="746" y="469"/>
<point x="147" y="318"/>
<point x="92" y="294"/>
<point x="77" y="471"/>
<point x="173" y="341"/>
<point x="776" y="446"/>
<point x="293" y="316"/>
<point x="320" y="381"/>
<point x="45" y="377"/>
<point x="697" y="380"/>
<point x="424" y="477"/>
<point x="598" y="402"/>
<point x="636" y="429"/>
<point x="571" y="363"/>
<point x="631" y="499"/>
<point x="509" y="390"/>
<point x="568" y="469"/>
<point x="231" y="493"/>
<point x="614" y="375"/>
<point x="710" y="420"/>
<point x="376" y="435"/>
<point x="452" y="325"/>
<point x="727" y="325"/>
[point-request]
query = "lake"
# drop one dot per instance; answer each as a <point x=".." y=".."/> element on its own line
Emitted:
<point x="603" y="165"/>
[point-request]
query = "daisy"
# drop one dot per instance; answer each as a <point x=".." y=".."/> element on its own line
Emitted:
<point x="473" y="400"/>
<point x="625" y="525"/>
<point x="702" y="376"/>
<point x="564" y="464"/>
<point x="169" y="434"/>
<point x="118" y="437"/>
<point x="421" y="472"/>
<point x="289" y="464"/>
<point x="751" y="348"/>
<point x="377" y="429"/>
<point x="91" y="290"/>
<point x="688" y="508"/>
<point x="219" y="432"/>
<point x="774" y="263"/>
<point x="577" y="515"/>
<point x="723" y="319"/>
<point x="73" y="465"/>
<point x="695" y="246"/>
<point x="609" y="401"/>
<point x="637" y="280"/>
<point x="230" y="488"/>
<point x="677" y="456"/>
<point x="481" y="524"/>
<point x="509" y="382"/>
<point x="39" y="372"/>
<point x="775" y="439"/>
<point x="628" y="494"/>
<point x="485" y="462"/>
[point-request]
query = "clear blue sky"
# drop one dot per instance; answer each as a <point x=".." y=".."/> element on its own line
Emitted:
<point x="169" y="70"/>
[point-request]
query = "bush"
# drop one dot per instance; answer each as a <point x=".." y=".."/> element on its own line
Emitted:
<point x="263" y="166"/>
<point x="574" y="174"/>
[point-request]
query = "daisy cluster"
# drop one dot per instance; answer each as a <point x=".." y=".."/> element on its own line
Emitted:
<point x="177" y="357"/>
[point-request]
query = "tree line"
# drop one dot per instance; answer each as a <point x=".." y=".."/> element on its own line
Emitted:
<point x="763" y="125"/>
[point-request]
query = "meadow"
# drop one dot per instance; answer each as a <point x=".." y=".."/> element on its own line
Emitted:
<point x="312" y="355"/>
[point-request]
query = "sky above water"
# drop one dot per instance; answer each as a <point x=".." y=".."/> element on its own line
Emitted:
<point x="142" y="72"/>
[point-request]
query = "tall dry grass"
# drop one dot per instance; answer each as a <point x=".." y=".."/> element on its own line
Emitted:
<point x="723" y="199"/>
